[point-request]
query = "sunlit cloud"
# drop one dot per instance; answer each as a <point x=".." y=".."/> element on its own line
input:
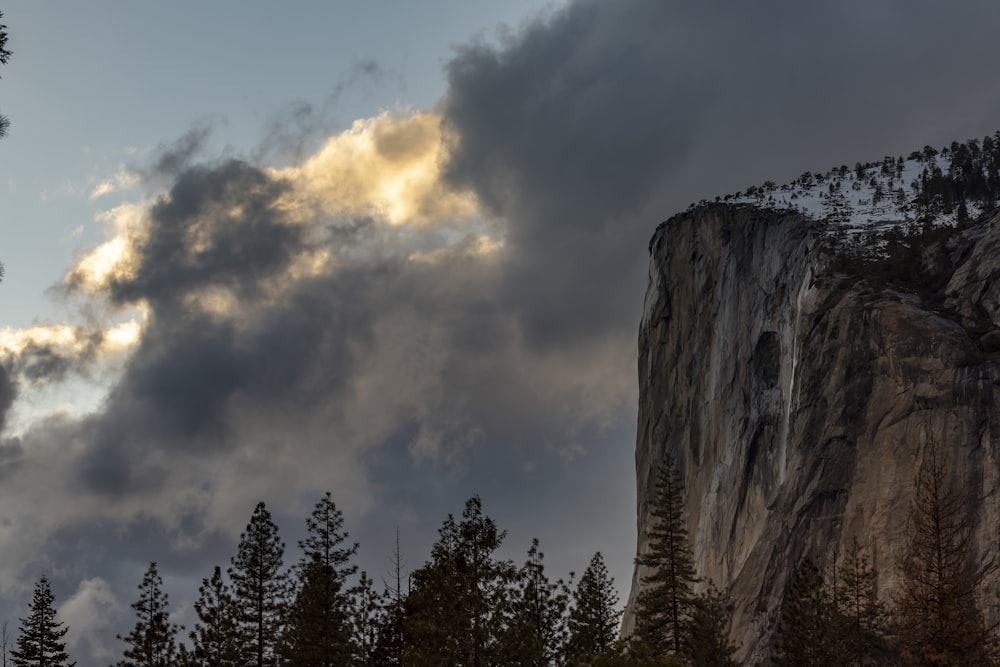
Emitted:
<point x="67" y="342"/>
<point x="389" y="166"/>
<point x="121" y="180"/>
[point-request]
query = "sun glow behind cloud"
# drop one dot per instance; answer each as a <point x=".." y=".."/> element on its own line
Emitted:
<point x="70" y="340"/>
<point x="388" y="166"/>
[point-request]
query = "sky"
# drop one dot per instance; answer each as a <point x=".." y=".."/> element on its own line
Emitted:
<point x="394" y="251"/>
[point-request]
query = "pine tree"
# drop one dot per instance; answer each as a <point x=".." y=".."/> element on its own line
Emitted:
<point x="863" y="618"/>
<point x="367" y="616"/>
<point x="710" y="645"/>
<point x="454" y="612"/>
<point x="318" y="630"/>
<point x="390" y="644"/>
<point x="593" y="619"/>
<point x="937" y="614"/>
<point x="216" y="639"/>
<point x="152" y="643"/>
<point x="4" y="645"/>
<point x="260" y="588"/>
<point x="807" y="629"/>
<point x="39" y="642"/>
<point x="535" y="632"/>
<point x="665" y="606"/>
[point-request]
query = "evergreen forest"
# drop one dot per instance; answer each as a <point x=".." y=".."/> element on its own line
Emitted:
<point x="465" y="606"/>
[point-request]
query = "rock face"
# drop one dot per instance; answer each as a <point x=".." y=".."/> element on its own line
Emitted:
<point x="797" y="393"/>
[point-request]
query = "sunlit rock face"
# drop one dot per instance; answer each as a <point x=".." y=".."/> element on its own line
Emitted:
<point x="798" y="391"/>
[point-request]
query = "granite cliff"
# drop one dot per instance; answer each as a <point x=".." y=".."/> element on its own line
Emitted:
<point x="797" y="374"/>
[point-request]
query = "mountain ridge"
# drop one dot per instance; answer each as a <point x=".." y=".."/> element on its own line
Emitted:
<point x="797" y="367"/>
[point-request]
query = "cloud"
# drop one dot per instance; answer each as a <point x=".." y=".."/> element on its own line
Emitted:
<point x="121" y="180"/>
<point x="300" y="124"/>
<point x="387" y="166"/>
<point x="88" y="615"/>
<point x="8" y="391"/>
<point x="439" y="302"/>
<point x="340" y="312"/>
<point x="584" y="128"/>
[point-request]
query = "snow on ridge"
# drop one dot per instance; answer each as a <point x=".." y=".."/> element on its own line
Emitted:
<point x="937" y="188"/>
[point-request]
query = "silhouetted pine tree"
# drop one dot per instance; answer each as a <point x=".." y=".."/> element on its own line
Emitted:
<point x="710" y="646"/>
<point x="318" y="630"/>
<point x="152" y="642"/>
<point x="454" y="612"/>
<point x="593" y="619"/>
<point x="666" y="604"/>
<point x="5" y="644"/>
<point x="216" y="640"/>
<point x="39" y="642"/>
<point x="535" y="632"/>
<point x="367" y="616"/>
<point x="389" y="645"/>
<point x="937" y="615"/>
<point x="260" y="588"/>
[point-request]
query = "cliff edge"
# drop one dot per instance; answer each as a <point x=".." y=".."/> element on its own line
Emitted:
<point x="797" y="385"/>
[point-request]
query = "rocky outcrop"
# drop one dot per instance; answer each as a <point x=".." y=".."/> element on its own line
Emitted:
<point x="797" y="390"/>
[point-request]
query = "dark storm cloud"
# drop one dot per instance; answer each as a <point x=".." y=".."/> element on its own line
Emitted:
<point x="45" y="362"/>
<point x="582" y="131"/>
<point x="179" y="389"/>
<point x="10" y="456"/>
<point x="173" y="158"/>
<point x="216" y="227"/>
<point x="8" y="392"/>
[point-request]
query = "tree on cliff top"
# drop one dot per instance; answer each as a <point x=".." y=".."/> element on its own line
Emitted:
<point x="665" y="607"/>
<point x="5" y="55"/>
<point x="937" y="613"/>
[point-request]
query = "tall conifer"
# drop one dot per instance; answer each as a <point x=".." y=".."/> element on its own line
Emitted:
<point x="368" y="614"/>
<point x="710" y="646"/>
<point x="937" y="612"/>
<point x="665" y="606"/>
<point x="260" y="588"/>
<point x="863" y="617"/>
<point x="454" y="612"/>
<point x="152" y="642"/>
<point x="40" y="642"/>
<point x="318" y="630"/>
<point x="593" y="619"/>
<point x="807" y="629"/>
<point x="216" y="640"/>
<point x="535" y="632"/>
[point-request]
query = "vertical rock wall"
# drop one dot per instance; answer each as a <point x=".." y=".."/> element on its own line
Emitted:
<point x="797" y="400"/>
